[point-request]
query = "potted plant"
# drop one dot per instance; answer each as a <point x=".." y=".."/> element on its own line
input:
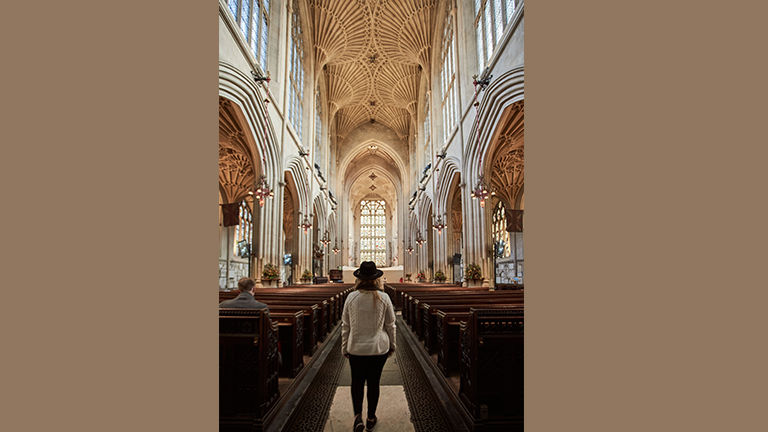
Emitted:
<point x="473" y="275"/>
<point x="270" y="274"/>
<point x="408" y="277"/>
<point x="420" y="277"/>
<point x="440" y="276"/>
<point x="306" y="276"/>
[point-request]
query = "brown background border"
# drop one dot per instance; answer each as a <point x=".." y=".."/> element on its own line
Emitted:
<point x="645" y="224"/>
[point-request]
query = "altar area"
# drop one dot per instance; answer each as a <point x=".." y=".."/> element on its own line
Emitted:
<point x="391" y="274"/>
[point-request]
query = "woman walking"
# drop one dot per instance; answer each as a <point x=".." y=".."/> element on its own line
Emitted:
<point x="367" y="339"/>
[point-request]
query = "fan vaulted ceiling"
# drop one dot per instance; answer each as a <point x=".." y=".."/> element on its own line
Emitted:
<point x="373" y="53"/>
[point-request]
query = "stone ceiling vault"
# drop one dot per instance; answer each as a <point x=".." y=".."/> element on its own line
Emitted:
<point x="373" y="53"/>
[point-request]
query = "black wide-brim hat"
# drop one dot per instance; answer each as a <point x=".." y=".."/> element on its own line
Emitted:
<point x="368" y="271"/>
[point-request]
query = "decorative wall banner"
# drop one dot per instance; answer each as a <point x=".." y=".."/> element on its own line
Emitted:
<point x="231" y="214"/>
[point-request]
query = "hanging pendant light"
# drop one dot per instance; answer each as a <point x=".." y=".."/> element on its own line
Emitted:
<point x="305" y="224"/>
<point x="439" y="224"/>
<point x="325" y="240"/>
<point x="263" y="190"/>
<point x="481" y="191"/>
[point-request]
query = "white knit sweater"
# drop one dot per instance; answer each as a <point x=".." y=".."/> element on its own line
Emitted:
<point x="367" y="323"/>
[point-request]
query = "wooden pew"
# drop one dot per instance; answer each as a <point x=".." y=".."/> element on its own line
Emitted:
<point x="446" y="333"/>
<point x="408" y="296"/>
<point x="248" y="368"/>
<point x="316" y="319"/>
<point x="311" y="323"/>
<point x="395" y="290"/>
<point x="291" y="338"/>
<point x="423" y="320"/>
<point x="414" y="302"/>
<point x="491" y="368"/>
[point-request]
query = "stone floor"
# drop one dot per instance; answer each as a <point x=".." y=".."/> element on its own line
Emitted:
<point x="392" y="412"/>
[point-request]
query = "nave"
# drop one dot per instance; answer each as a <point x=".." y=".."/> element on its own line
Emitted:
<point x="383" y="131"/>
<point x="458" y="365"/>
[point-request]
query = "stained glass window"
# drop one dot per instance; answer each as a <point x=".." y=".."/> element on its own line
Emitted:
<point x="373" y="231"/>
<point x="491" y="19"/>
<point x="243" y="229"/>
<point x="296" y="75"/>
<point x="500" y="234"/>
<point x="252" y="16"/>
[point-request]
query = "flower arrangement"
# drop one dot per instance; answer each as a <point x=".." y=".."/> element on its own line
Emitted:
<point x="440" y="276"/>
<point x="473" y="272"/>
<point x="420" y="276"/>
<point x="307" y="275"/>
<point x="270" y="272"/>
<point x="408" y="277"/>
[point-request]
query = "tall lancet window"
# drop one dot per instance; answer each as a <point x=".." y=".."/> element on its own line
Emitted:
<point x="501" y="241"/>
<point x="243" y="230"/>
<point x="427" y="123"/>
<point x="448" y="80"/>
<point x="491" y="19"/>
<point x="252" y="16"/>
<point x="373" y="231"/>
<point x="296" y="72"/>
<point x="319" y="150"/>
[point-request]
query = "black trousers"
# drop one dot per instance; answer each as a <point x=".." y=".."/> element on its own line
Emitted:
<point x="366" y="369"/>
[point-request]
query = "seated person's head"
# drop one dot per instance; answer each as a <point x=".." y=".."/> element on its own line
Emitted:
<point x="246" y="285"/>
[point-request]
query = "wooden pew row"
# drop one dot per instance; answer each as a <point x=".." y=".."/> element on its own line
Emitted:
<point x="248" y="367"/>
<point x="479" y="334"/>
<point x="395" y="289"/>
<point x="335" y="294"/>
<point x="427" y="324"/>
<point x="304" y="317"/>
<point x="330" y="301"/>
<point x="404" y="294"/>
<point x="412" y="303"/>
<point x="290" y="341"/>
<point x="446" y="333"/>
<point x="410" y="300"/>
<point x="491" y="368"/>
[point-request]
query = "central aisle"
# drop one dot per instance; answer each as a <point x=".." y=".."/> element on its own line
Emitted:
<point x="392" y="412"/>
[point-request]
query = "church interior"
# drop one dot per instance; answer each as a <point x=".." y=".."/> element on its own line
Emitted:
<point x="389" y="131"/>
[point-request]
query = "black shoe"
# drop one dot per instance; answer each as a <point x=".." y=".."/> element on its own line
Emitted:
<point x="359" y="426"/>
<point x="369" y="424"/>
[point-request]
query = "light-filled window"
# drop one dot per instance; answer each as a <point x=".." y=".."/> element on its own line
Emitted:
<point x="296" y="72"/>
<point x="319" y="150"/>
<point x="427" y="123"/>
<point x="500" y="234"/>
<point x="448" y="79"/>
<point x="373" y="231"/>
<point x="252" y="16"/>
<point x="491" y="19"/>
<point x="243" y="231"/>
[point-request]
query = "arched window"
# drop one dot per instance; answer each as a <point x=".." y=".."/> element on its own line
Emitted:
<point x="448" y="80"/>
<point x="491" y="19"/>
<point x="319" y="150"/>
<point x="501" y="241"/>
<point x="373" y="231"/>
<point x="427" y="123"/>
<point x="253" y="18"/>
<point x="243" y="231"/>
<point x="296" y="72"/>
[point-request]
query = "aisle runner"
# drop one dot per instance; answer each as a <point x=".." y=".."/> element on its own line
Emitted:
<point x="392" y="412"/>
